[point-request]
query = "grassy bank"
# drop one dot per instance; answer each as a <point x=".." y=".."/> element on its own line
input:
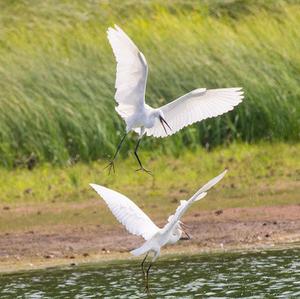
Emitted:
<point x="57" y="73"/>
<point x="52" y="217"/>
<point x="259" y="175"/>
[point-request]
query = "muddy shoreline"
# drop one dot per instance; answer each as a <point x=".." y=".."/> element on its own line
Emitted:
<point x="211" y="231"/>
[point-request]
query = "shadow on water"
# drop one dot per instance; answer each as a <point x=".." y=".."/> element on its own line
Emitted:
<point x="227" y="275"/>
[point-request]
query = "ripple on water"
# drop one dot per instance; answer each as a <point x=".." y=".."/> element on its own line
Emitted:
<point x="239" y="275"/>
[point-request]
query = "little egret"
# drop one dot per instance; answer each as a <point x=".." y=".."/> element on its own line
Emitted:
<point x="131" y="77"/>
<point x="138" y="223"/>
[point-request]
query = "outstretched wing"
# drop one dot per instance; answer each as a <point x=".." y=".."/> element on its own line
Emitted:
<point x="127" y="212"/>
<point x="195" y="106"/>
<point x="132" y="72"/>
<point x="184" y="204"/>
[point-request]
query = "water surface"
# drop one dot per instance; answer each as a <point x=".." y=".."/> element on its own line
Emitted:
<point x="271" y="274"/>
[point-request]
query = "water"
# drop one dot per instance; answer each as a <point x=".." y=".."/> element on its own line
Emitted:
<point x="270" y="274"/>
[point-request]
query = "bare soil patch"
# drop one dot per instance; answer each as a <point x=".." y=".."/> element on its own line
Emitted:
<point x="210" y="230"/>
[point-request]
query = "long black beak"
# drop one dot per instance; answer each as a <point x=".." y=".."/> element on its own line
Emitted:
<point x="184" y="225"/>
<point x="163" y="122"/>
<point x="187" y="235"/>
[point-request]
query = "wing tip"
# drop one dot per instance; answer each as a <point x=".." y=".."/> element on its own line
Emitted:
<point x="220" y="177"/>
<point x="94" y="186"/>
<point x="223" y="173"/>
<point x="97" y="188"/>
<point x="117" y="27"/>
<point x="111" y="30"/>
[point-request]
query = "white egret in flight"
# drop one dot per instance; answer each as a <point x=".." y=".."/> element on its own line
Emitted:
<point x="131" y="78"/>
<point x="138" y="223"/>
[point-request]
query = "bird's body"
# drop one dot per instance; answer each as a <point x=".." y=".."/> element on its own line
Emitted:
<point x="138" y="223"/>
<point x="131" y="80"/>
<point x="158" y="240"/>
<point x="144" y="119"/>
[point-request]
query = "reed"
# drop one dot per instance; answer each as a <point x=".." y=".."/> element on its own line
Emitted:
<point x="57" y="73"/>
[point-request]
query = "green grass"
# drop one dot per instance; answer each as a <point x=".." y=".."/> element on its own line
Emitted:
<point x="259" y="175"/>
<point x="254" y="170"/>
<point x="57" y="73"/>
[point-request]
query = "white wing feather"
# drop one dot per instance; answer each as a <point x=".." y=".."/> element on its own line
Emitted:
<point x="195" y="106"/>
<point x="127" y="212"/>
<point x="184" y="204"/>
<point x="131" y="74"/>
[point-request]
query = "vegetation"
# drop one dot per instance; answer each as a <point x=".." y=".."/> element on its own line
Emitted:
<point x="259" y="175"/>
<point x="251" y="167"/>
<point x="57" y="73"/>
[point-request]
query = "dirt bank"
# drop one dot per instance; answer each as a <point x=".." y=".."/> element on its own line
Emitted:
<point x="213" y="230"/>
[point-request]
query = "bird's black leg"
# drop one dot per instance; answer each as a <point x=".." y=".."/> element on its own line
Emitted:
<point x="111" y="165"/>
<point x="142" y="265"/>
<point x="147" y="279"/>
<point x="137" y="157"/>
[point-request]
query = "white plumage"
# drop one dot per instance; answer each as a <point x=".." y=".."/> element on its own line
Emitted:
<point x="127" y="212"/>
<point x="195" y="106"/>
<point x="131" y="79"/>
<point x="138" y="223"/>
<point x="132" y="72"/>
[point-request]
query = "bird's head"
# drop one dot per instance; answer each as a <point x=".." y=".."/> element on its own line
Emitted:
<point x="159" y="114"/>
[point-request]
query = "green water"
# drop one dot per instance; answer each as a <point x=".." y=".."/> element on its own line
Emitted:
<point x="270" y="274"/>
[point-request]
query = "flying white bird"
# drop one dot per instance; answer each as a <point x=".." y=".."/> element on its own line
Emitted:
<point x="131" y="78"/>
<point x="138" y="223"/>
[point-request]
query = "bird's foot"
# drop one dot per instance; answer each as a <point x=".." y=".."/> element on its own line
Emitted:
<point x="110" y="166"/>
<point x="147" y="290"/>
<point x="145" y="170"/>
